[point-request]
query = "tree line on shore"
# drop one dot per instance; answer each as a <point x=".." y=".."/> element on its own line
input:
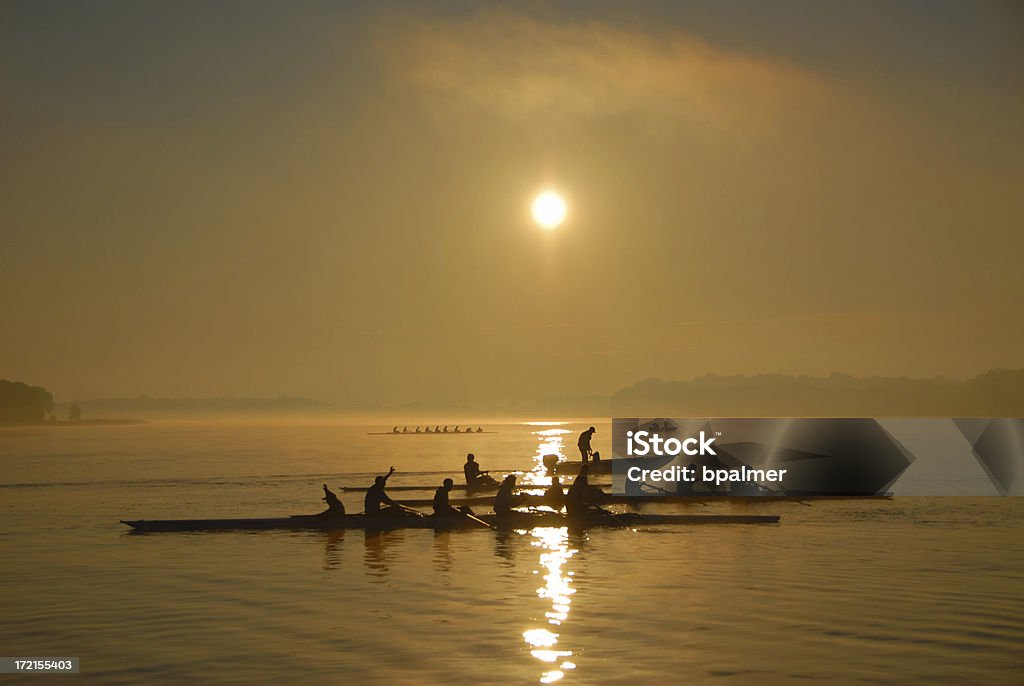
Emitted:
<point x="996" y="393"/>
<point x="24" y="404"/>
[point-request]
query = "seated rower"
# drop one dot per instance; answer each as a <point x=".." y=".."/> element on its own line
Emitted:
<point x="418" y="430"/>
<point x="472" y="470"/>
<point x="456" y="428"/>
<point x="577" y="499"/>
<point x="394" y="430"/>
<point x="479" y="429"/>
<point x="376" y="497"/>
<point x="505" y="499"/>
<point x="335" y="508"/>
<point x="554" y="496"/>
<point x="442" y="508"/>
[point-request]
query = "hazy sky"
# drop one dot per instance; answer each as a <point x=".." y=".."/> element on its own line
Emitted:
<point x="332" y="199"/>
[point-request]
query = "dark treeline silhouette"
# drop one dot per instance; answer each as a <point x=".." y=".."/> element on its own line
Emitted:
<point x="24" y="404"/>
<point x="996" y="393"/>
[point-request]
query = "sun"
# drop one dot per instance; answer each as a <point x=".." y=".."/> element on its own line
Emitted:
<point x="549" y="210"/>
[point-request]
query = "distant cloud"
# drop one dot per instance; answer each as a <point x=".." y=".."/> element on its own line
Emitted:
<point x="517" y="67"/>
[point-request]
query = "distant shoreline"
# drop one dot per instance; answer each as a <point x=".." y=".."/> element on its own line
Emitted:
<point x="82" y="422"/>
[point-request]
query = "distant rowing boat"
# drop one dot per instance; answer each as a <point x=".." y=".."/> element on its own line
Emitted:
<point x="428" y="433"/>
<point x="516" y="520"/>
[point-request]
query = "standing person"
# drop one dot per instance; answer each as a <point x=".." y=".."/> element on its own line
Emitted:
<point x="584" y="443"/>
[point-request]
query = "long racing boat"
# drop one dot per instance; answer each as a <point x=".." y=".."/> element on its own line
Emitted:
<point x="535" y="499"/>
<point x="514" y="520"/>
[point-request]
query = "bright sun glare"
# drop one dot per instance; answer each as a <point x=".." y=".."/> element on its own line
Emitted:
<point x="549" y="209"/>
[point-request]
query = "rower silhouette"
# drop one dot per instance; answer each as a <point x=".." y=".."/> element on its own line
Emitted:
<point x="335" y="508"/>
<point x="505" y="499"/>
<point x="471" y="469"/>
<point x="442" y="507"/>
<point x="577" y="498"/>
<point x="377" y="502"/>
<point x="475" y="477"/>
<point x="554" y="496"/>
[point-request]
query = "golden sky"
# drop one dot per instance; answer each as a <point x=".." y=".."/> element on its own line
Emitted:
<point x="334" y="200"/>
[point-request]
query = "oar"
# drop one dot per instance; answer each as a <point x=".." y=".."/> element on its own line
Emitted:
<point x="410" y="510"/>
<point x="670" y="493"/>
<point x="608" y="514"/>
<point x="476" y="519"/>
<point x="792" y="499"/>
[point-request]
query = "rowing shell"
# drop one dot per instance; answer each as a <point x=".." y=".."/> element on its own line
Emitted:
<point x="428" y="433"/>
<point x="457" y="487"/>
<point x="515" y="520"/>
<point x="534" y="499"/>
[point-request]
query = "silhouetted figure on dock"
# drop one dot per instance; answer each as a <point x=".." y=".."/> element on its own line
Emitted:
<point x="584" y="443"/>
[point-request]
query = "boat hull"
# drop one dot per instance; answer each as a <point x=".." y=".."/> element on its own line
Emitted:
<point x="532" y="500"/>
<point x="516" y="520"/>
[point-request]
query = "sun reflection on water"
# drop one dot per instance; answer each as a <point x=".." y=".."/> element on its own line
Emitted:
<point x="550" y="441"/>
<point x="558" y="591"/>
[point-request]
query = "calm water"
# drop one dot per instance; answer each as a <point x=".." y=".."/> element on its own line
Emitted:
<point x="911" y="590"/>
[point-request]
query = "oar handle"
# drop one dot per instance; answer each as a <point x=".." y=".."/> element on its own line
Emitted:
<point x="477" y="520"/>
<point x="410" y="510"/>
<point x="608" y="514"/>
